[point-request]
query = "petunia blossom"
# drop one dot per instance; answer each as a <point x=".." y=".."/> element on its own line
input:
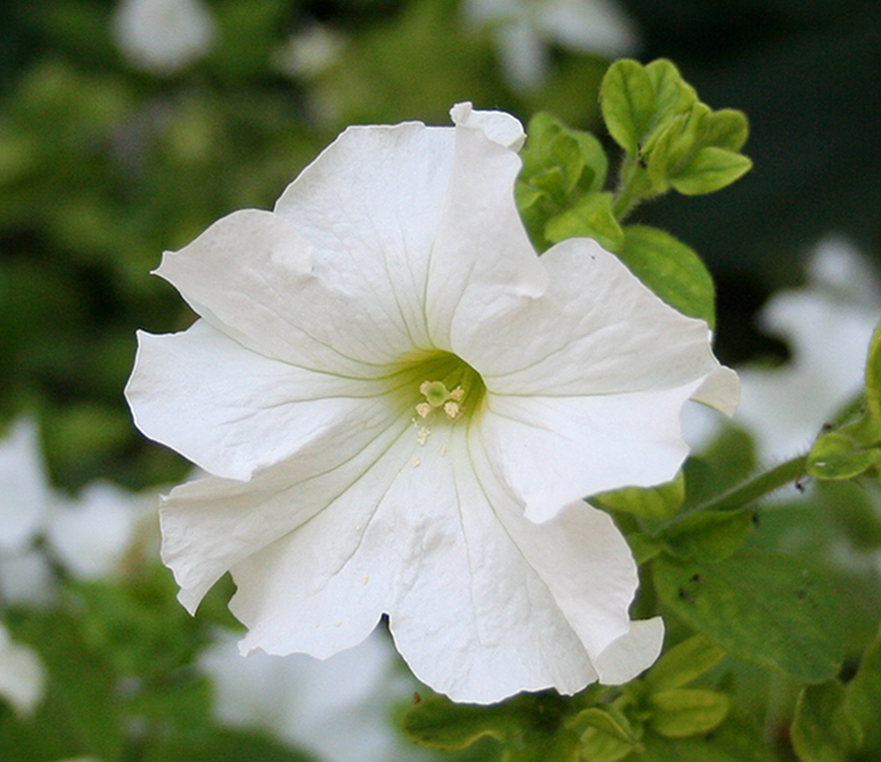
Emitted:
<point x="400" y="407"/>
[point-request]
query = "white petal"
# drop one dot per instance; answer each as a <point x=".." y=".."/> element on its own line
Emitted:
<point x="482" y="263"/>
<point x="211" y="524"/>
<point x="596" y="330"/>
<point x="255" y="278"/>
<point x="553" y="450"/>
<point x="633" y="652"/>
<point x="721" y="390"/>
<point x="479" y="609"/>
<point x="232" y="411"/>
<point x="498" y="126"/>
<point x="369" y="206"/>
<point x="587" y="566"/>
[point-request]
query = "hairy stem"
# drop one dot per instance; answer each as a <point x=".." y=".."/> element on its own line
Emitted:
<point x="757" y="487"/>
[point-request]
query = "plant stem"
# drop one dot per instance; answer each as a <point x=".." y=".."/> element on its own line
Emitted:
<point x="757" y="487"/>
<point x="635" y="188"/>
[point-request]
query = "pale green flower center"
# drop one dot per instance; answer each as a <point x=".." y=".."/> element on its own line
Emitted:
<point x="450" y="388"/>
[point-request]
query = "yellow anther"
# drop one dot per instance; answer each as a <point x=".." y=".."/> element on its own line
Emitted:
<point x="452" y="410"/>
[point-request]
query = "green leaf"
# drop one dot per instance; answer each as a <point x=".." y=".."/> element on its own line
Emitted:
<point x="726" y="128"/>
<point x="837" y="455"/>
<point x="659" y="502"/>
<point x="438" y="722"/>
<point x="594" y="158"/>
<point x="736" y="740"/>
<point x="728" y="461"/>
<point x="684" y="712"/>
<point x="673" y="95"/>
<point x="627" y="99"/>
<point x="675" y="144"/>
<point x="766" y="608"/>
<point x="590" y="216"/>
<point x="863" y="697"/>
<point x="710" y="170"/>
<point x="708" y="535"/>
<point x="561" y="746"/>
<point x="684" y="662"/>
<point x="671" y="269"/>
<point x="609" y="720"/>
<point x="873" y="374"/>
<point x="597" y="746"/>
<point x="823" y="730"/>
<point x="643" y="547"/>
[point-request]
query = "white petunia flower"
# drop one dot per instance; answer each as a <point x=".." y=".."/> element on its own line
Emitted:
<point x="162" y="36"/>
<point x="338" y="710"/>
<point x="828" y="325"/>
<point x="92" y="535"/>
<point x="21" y="674"/>
<point x="523" y="30"/>
<point x="401" y="407"/>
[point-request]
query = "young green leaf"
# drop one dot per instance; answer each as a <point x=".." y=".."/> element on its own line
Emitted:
<point x="611" y="721"/>
<point x="766" y="608"/>
<point x="736" y="740"/>
<point x="627" y="99"/>
<point x="684" y="662"/>
<point x="710" y="170"/>
<point x="673" y="95"/>
<point x="685" y="712"/>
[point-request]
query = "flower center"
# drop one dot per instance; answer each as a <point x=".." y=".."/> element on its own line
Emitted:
<point x="450" y="388"/>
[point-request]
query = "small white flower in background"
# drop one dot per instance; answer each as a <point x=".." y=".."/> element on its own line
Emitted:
<point x="24" y="489"/>
<point x="338" y="710"/>
<point x="828" y="325"/>
<point x="309" y="52"/>
<point x="89" y="535"/>
<point x="162" y="36"/>
<point x="401" y="407"/>
<point x="21" y="674"/>
<point x="524" y="29"/>
<point x="92" y="534"/>
<point x="25" y="576"/>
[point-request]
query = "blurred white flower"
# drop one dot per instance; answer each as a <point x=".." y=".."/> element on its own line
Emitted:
<point x="91" y="535"/>
<point x="309" y="52"/>
<point x="524" y="29"/>
<point x="21" y="674"/>
<point x="401" y="407"/>
<point x="24" y="489"/>
<point x="162" y="36"/>
<point x="828" y="325"/>
<point x="338" y="709"/>
<point x="25" y="495"/>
